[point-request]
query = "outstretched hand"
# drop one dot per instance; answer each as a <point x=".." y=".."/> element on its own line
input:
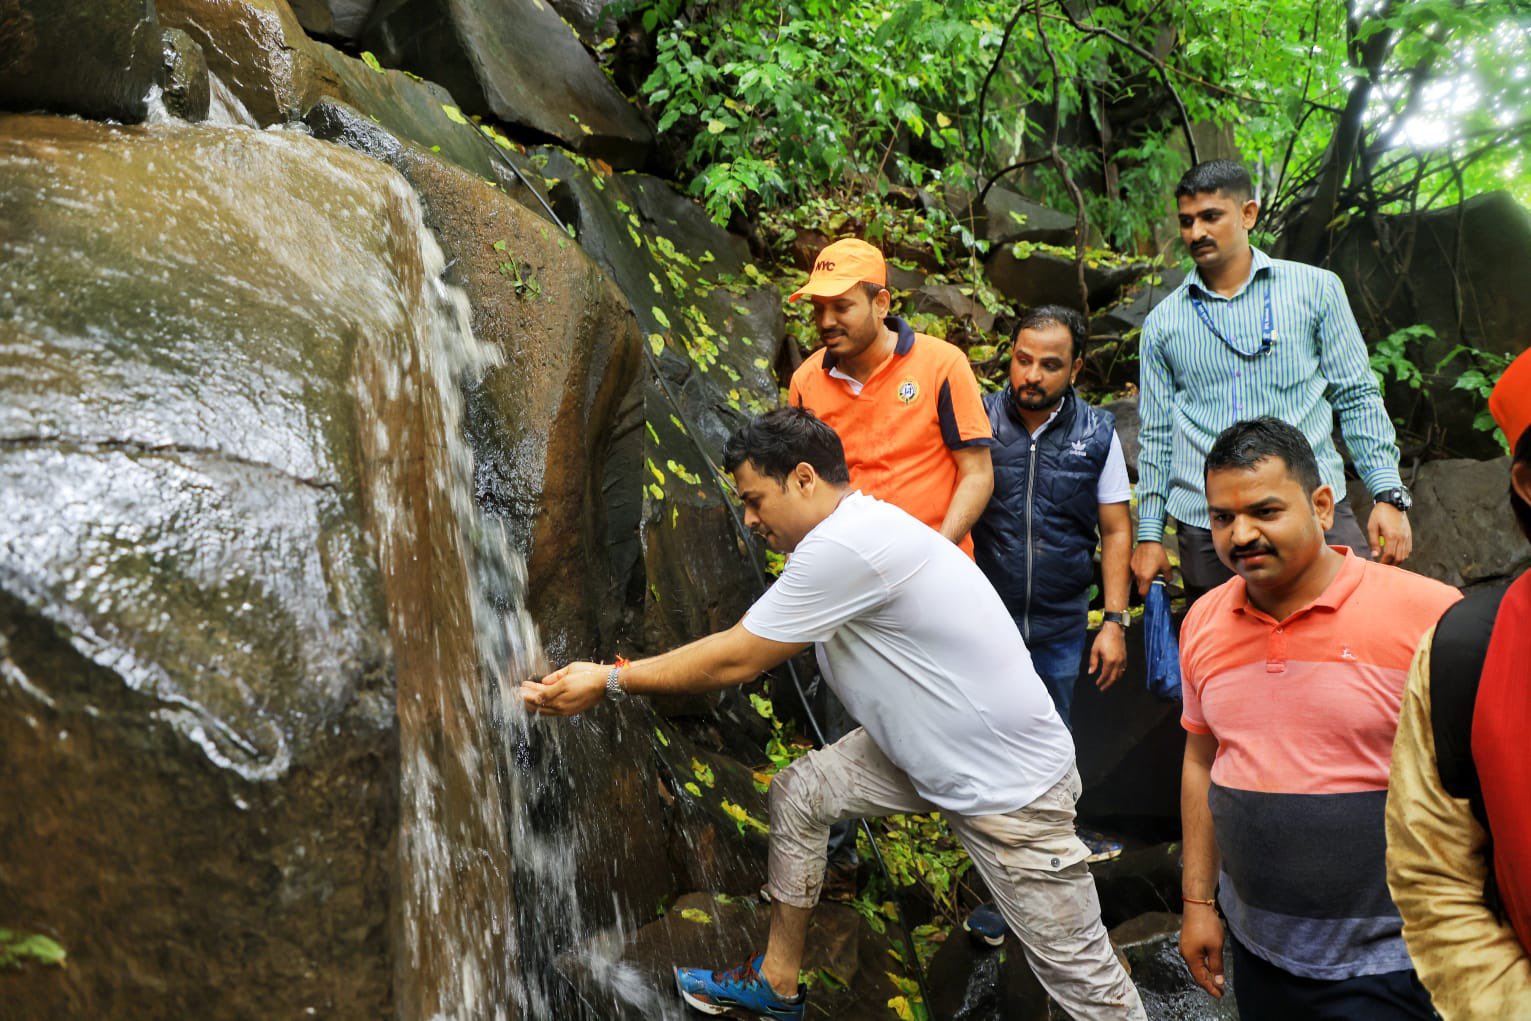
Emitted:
<point x="566" y="692"/>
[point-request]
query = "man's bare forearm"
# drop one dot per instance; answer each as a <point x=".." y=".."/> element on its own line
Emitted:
<point x="1200" y="858"/>
<point x="719" y="660"/>
<point x="1115" y="555"/>
<point x="975" y="484"/>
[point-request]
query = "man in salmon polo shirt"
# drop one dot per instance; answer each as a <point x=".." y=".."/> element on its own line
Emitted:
<point x="1293" y="674"/>
<point x="906" y="405"/>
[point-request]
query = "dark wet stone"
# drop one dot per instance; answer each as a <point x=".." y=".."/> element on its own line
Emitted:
<point x="714" y="334"/>
<point x="1047" y="278"/>
<point x="257" y="48"/>
<point x="101" y="66"/>
<point x="1130" y="747"/>
<point x="717" y="838"/>
<point x="1132" y="308"/>
<point x="518" y="61"/>
<point x="186" y="86"/>
<point x="973" y="982"/>
<point x="1151" y="944"/>
<point x="948" y="301"/>
<point x="197" y="703"/>
<point x="1465" y="533"/>
<point x="1143" y="880"/>
<point x="333" y="19"/>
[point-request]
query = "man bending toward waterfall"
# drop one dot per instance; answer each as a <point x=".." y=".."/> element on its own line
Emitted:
<point x="953" y="718"/>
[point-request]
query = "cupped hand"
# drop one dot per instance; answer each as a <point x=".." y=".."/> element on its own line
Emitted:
<point x="566" y="692"/>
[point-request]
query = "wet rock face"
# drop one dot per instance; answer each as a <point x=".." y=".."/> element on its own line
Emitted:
<point x="196" y="673"/>
<point x="517" y="60"/>
<point x="541" y="421"/>
<point x="103" y="66"/>
<point x="714" y="333"/>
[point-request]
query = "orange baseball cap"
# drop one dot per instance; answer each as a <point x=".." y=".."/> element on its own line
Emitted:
<point x="1510" y="403"/>
<point x="841" y="266"/>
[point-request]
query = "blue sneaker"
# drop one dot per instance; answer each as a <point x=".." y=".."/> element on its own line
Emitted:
<point x="1102" y="847"/>
<point x="739" y="989"/>
<point x="986" y="924"/>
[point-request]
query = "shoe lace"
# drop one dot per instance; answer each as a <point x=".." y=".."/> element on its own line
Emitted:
<point x="742" y="972"/>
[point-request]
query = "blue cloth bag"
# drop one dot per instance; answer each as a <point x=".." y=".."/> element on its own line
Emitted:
<point x="1163" y="652"/>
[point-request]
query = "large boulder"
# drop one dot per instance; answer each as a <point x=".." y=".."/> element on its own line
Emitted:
<point x="1464" y="531"/>
<point x="1007" y="216"/>
<point x="1033" y="276"/>
<point x="260" y="54"/>
<point x="101" y="62"/>
<point x="204" y="554"/>
<point x="712" y="334"/>
<point x="257" y="48"/>
<point x="1462" y="273"/>
<point x="516" y="60"/>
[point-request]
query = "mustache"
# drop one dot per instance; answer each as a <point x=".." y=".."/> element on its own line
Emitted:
<point x="1252" y="549"/>
<point x="1197" y="246"/>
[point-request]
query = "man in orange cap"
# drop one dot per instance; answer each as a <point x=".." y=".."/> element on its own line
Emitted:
<point x="1458" y="814"/>
<point x="906" y="405"/>
<point x="911" y="418"/>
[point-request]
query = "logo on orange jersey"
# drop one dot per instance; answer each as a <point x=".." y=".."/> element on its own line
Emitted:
<point x="908" y="390"/>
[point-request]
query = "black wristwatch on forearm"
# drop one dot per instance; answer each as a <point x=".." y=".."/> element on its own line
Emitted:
<point x="1117" y="617"/>
<point x="1398" y="496"/>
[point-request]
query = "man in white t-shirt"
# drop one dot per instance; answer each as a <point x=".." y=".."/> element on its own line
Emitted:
<point x="921" y="650"/>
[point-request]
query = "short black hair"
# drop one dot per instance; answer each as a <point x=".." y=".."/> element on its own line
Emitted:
<point x="1245" y="444"/>
<point x="1520" y="507"/>
<point x="778" y="441"/>
<point x="1056" y="315"/>
<point x="872" y="290"/>
<point x="1226" y="176"/>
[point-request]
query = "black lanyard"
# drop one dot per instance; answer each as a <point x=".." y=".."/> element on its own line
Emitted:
<point x="1267" y="323"/>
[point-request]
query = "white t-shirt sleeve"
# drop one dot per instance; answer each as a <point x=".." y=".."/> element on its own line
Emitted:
<point x="825" y="585"/>
<point x="1113" y="486"/>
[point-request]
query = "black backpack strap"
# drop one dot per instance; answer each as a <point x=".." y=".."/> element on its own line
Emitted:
<point x="1456" y="663"/>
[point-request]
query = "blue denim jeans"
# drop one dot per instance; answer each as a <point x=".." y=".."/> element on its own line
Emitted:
<point x="1057" y="663"/>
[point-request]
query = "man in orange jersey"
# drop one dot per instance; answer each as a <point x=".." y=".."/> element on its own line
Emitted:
<point x="1293" y="674"/>
<point x="910" y="416"/>
<point x="905" y="405"/>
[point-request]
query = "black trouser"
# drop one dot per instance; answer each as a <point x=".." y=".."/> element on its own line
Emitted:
<point x="1201" y="570"/>
<point x="1265" y="992"/>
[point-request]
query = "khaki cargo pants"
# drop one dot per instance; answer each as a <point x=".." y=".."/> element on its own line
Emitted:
<point x="1030" y="859"/>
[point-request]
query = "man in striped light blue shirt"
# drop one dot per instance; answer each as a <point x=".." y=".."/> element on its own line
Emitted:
<point x="1245" y="336"/>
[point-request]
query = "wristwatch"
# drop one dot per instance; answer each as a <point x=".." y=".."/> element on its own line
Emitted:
<point x="1398" y="496"/>
<point x="1114" y="617"/>
<point x="614" y="690"/>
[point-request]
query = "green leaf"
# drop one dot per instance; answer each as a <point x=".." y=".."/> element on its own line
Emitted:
<point x="453" y="114"/>
<point x="371" y="61"/>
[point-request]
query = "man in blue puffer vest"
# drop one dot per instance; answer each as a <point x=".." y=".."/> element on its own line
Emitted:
<point x="1060" y="486"/>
